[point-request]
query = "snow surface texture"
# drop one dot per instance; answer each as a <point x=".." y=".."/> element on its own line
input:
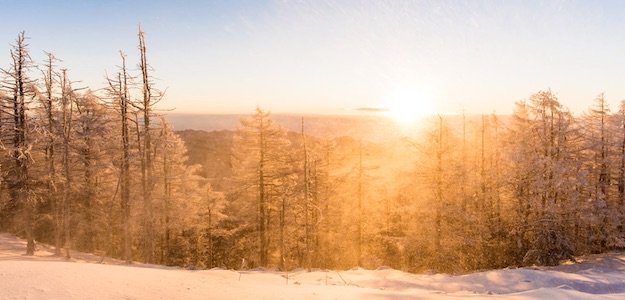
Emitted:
<point x="45" y="276"/>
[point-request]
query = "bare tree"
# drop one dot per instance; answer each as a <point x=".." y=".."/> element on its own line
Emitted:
<point x="621" y="157"/>
<point x="307" y="225"/>
<point x="262" y="154"/>
<point x="118" y="89"/>
<point x="150" y="97"/>
<point x="67" y="108"/>
<point x="48" y="102"/>
<point x="23" y="198"/>
<point x="92" y="126"/>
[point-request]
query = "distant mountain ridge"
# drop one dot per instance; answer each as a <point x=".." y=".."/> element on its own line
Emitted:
<point x="364" y="126"/>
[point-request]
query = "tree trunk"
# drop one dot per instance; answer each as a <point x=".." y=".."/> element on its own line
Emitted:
<point x="147" y="166"/>
<point x="20" y="189"/>
<point x="67" y="129"/>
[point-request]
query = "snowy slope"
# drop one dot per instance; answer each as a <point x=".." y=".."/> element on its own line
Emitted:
<point x="44" y="276"/>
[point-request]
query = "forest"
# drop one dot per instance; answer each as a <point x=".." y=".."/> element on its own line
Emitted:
<point x="102" y="171"/>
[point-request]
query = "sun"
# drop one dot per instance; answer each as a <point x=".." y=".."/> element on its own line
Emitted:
<point x="407" y="105"/>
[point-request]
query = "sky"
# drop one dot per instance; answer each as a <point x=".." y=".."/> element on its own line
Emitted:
<point x="326" y="56"/>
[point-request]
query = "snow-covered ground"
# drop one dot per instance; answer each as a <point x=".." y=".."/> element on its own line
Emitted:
<point x="44" y="276"/>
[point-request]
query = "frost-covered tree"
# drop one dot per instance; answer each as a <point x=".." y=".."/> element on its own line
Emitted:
<point x="17" y="134"/>
<point x="435" y="177"/>
<point x="260" y="147"/>
<point x="544" y="156"/>
<point x="93" y="132"/>
<point x="67" y="115"/>
<point x="149" y="98"/>
<point x="118" y="90"/>
<point x="178" y="202"/>
<point x="619" y="119"/>
<point x="47" y="116"/>
<point x="601" y="221"/>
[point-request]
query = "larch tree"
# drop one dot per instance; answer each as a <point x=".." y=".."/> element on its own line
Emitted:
<point x="146" y="106"/>
<point x="497" y="241"/>
<point x="307" y="200"/>
<point x="431" y="187"/>
<point x="118" y="90"/>
<point x="322" y="197"/>
<point x="213" y="233"/>
<point x="620" y="145"/>
<point x="518" y="152"/>
<point x="433" y="168"/>
<point x="49" y="102"/>
<point x="260" y="146"/>
<point x="92" y="132"/>
<point x="542" y="141"/>
<point x="19" y="86"/>
<point x="600" y="227"/>
<point x="178" y="198"/>
<point x="67" y="110"/>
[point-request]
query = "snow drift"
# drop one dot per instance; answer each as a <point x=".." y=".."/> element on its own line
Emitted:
<point x="45" y="276"/>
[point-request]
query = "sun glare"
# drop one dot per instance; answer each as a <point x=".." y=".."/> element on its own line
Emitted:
<point x="407" y="106"/>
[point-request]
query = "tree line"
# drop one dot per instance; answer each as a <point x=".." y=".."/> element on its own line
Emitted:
<point x="537" y="187"/>
<point x="98" y="171"/>
<point x="102" y="171"/>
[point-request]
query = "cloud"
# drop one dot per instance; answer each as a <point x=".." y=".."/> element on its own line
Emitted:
<point x="373" y="109"/>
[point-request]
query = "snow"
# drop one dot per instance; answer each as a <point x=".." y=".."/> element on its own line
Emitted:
<point x="44" y="276"/>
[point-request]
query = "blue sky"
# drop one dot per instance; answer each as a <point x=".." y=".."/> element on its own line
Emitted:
<point x="334" y="56"/>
